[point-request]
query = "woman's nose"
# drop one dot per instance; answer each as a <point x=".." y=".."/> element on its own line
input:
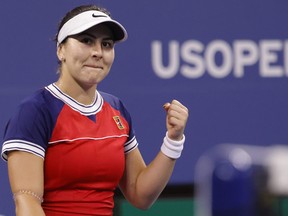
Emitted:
<point x="97" y="49"/>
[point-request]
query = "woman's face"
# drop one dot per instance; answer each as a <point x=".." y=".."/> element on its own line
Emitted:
<point x="87" y="56"/>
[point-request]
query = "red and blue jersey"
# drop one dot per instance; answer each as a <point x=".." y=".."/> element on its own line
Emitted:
<point x="83" y="148"/>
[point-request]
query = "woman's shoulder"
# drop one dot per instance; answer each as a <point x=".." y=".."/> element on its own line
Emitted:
<point x="39" y="98"/>
<point x="41" y="101"/>
<point x="110" y="98"/>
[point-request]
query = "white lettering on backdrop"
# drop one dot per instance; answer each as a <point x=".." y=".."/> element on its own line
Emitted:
<point x="192" y="59"/>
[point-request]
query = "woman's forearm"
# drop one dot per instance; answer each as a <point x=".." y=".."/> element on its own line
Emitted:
<point x="27" y="205"/>
<point x="152" y="180"/>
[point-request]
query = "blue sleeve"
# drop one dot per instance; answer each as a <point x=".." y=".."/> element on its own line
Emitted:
<point x="28" y="130"/>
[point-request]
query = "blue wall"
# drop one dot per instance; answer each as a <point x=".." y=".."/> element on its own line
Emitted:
<point x="226" y="60"/>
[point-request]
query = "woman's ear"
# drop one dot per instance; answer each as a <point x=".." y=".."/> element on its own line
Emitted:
<point x="60" y="53"/>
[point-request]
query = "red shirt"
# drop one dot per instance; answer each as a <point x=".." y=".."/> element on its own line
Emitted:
<point x="83" y="149"/>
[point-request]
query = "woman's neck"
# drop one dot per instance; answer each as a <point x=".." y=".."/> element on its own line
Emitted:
<point x="82" y="95"/>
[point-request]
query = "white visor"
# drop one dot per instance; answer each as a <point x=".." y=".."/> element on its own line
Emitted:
<point x="88" y="19"/>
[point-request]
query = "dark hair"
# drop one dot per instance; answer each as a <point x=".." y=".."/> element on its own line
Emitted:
<point x="74" y="12"/>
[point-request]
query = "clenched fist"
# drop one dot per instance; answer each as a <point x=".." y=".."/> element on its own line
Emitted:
<point x="176" y="119"/>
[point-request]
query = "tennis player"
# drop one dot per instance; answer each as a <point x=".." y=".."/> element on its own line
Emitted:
<point x="69" y="145"/>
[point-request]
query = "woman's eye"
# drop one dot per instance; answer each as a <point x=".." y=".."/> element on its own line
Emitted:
<point x="108" y="44"/>
<point x="86" y="40"/>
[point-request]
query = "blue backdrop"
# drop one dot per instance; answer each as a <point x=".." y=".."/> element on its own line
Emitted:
<point x="227" y="61"/>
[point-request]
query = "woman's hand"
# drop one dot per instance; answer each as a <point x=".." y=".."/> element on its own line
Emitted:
<point x="176" y="119"/>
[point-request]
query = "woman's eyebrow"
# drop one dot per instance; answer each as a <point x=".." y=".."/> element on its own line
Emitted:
<point x="88" y="34"/>
<point x="106" y="37"/>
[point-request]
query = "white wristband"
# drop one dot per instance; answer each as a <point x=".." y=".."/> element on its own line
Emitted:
<point x="172" y="148"/>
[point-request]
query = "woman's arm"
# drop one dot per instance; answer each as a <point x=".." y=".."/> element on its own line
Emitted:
<point x="26" y="180"/>
<point x="141" y="184"/>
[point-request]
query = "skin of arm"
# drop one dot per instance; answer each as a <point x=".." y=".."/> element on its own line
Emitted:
<point x="26" y="173"/>
<point x="141" y="184"/>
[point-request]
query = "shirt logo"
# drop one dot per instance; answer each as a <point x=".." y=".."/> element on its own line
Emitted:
<point x="118" y="122"/>
<point x="96" y="16"/>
